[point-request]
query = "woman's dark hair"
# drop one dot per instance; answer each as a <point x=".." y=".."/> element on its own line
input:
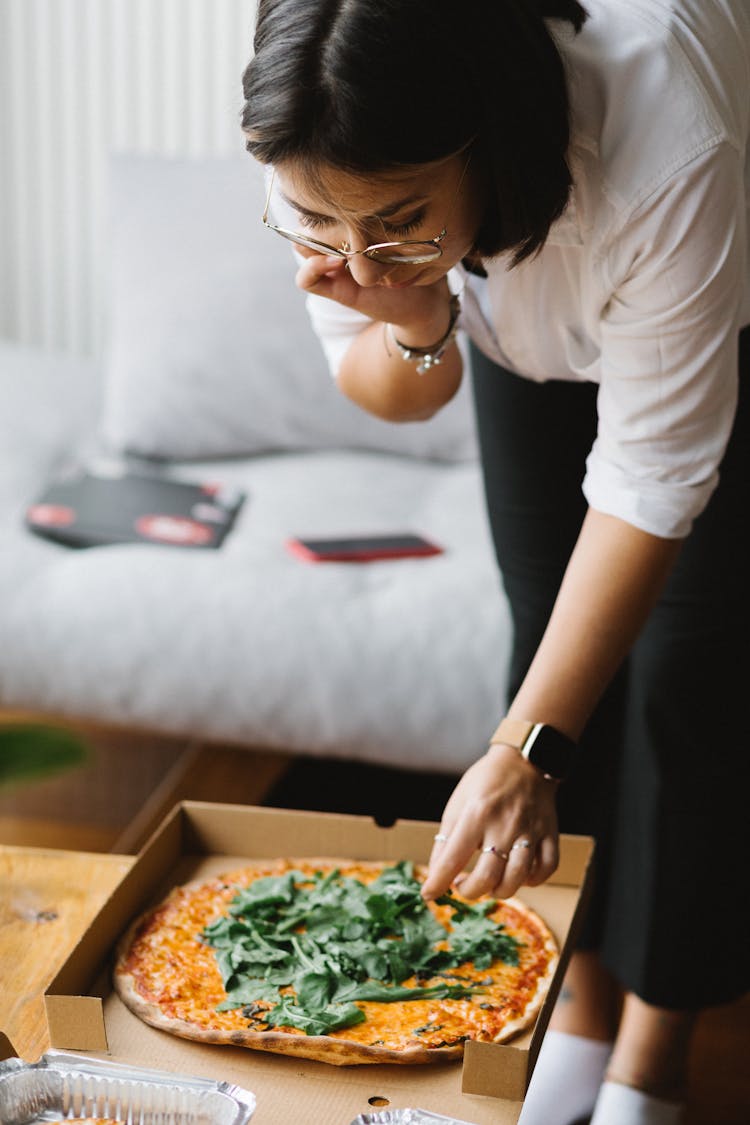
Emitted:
<point x="370" y="85"/>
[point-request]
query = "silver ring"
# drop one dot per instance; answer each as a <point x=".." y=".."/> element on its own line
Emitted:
<point x="440" y="838"/>
<point x="521" y="844"/>
<point x="495" y="851"/>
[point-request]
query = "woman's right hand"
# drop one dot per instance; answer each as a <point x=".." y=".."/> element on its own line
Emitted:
<point x="504" y="808"/>
<point x="420" y="309"/>
<point x="372" y="373"/>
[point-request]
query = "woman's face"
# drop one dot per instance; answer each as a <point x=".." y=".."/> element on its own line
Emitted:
<point x="343" y="209"/>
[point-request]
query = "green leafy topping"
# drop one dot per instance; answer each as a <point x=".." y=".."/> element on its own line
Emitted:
<point x="475" y="937"/>
<point x="318" y="1022"/>
<point x="333" y="941"/>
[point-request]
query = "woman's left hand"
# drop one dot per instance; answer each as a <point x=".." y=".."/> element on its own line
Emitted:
<point x="505" y="808"/>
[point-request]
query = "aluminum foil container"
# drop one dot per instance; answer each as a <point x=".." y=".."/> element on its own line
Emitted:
<point x="406" y="1117"/>
<point x="64" y="1086"/>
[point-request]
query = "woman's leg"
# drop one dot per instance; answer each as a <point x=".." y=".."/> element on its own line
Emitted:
<point x="590" y="1000"/>
<point x="651" y="1052"/>
<point x="675" y="933"/>
<point x="646" y="1081"/>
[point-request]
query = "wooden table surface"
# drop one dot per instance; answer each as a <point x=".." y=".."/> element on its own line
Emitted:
<point x="47" y="899"/>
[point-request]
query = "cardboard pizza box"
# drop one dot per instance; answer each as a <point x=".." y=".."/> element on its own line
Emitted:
<point x="201" y="839"/>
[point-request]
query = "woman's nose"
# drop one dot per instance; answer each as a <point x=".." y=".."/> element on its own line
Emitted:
<point x="366" y="272"/>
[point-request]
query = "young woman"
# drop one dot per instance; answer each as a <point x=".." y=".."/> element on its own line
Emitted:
<point x="570" y="187"/>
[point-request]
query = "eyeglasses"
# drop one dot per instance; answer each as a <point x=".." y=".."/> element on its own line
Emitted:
<point x="411" y="252"/>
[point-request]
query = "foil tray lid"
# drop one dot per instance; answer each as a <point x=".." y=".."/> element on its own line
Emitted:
<point x="62" y="1085"/>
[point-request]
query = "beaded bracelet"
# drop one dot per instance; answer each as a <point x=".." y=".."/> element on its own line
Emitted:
<point x="431" y="356"/>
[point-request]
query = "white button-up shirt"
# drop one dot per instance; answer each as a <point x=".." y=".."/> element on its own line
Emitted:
<point x="644" y="281"/>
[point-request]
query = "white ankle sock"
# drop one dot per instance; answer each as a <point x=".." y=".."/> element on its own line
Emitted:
<point x="622" y="1105"/>
<point x="566" y="1079"/>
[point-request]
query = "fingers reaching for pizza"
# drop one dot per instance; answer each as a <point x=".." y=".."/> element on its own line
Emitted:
<point x="546" y="859"/>
<point x="504" y="809"/>
<point x="526" y="863"/>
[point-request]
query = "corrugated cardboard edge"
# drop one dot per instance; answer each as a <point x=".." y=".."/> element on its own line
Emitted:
<point x="481" y="1074"/>
<point x="76" y="1021"/>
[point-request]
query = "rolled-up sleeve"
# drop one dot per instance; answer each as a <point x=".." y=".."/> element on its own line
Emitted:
<point x="668" y="386"/>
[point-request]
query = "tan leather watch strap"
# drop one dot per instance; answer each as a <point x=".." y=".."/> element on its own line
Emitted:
<point x="541" y="745"/>
<point x="512" y="732"/>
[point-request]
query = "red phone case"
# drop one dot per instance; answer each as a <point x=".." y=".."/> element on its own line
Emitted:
<point x="363" y="548"/>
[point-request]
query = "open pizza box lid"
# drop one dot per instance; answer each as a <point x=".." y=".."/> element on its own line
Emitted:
<point x="200" y="839"/>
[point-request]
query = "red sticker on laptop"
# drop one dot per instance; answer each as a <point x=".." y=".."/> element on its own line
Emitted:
<point x="51" y="515"/>
<point x="174" y="529"/>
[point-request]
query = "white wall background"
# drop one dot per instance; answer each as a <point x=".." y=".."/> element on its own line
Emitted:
<point x="80" y="79"/>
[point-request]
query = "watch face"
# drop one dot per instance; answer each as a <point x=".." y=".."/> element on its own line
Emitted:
<point x="549" y="750"/>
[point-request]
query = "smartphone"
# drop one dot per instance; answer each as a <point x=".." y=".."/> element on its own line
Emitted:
<point x="364" y="548"/>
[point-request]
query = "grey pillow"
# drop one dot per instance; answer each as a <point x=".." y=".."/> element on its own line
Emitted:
<point x="210" y="351"/>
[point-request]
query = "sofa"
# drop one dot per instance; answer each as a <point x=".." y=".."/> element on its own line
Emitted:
<point x="211" y="372"/>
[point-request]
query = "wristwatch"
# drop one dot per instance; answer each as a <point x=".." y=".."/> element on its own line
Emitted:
<point x="546" y="748"/>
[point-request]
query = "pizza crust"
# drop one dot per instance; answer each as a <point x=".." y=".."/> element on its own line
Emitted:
<point x="321" y="1048"/>
<point x="335" y="1049"/>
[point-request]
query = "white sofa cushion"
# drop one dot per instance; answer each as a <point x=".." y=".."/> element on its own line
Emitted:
<point x="211" y="353"/>
<point x="401" y="663"/>
<point x="212" y="365"/>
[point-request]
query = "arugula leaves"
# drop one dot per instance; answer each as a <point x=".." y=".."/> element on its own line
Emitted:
<point x="335" y="941"/>
<point x="475" y="937"/>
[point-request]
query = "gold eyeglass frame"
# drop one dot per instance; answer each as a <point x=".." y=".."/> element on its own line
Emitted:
<point x="374" y="250"/>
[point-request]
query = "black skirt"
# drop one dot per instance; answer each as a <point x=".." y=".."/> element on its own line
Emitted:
<point x="662" y="775"/>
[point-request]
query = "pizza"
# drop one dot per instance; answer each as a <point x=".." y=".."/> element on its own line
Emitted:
<point x="336" y="960"/>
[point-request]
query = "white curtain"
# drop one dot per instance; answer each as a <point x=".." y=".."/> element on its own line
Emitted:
<point x="79" y="79"/>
